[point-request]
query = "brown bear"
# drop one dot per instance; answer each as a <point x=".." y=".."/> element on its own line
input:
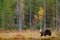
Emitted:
<point x="46" y="32"/>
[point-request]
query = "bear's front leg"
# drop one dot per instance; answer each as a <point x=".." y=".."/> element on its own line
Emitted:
<point x="42" y="34"/>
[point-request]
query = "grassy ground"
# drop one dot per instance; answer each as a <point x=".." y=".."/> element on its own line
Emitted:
<point x="25" y="35"/>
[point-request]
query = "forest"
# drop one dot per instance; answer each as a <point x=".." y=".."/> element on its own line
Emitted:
<point x="29" y="15"/>
<point x="9" y="14"/>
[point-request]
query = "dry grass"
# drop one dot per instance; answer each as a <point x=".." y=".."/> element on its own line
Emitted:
<point x="25" y="34"/>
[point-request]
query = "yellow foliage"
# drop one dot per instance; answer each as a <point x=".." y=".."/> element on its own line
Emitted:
<point x="40" y="13"/>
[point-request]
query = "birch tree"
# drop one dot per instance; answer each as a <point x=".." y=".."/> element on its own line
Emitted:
<point x="20" y="7"/>
<point x="44" y="6"/>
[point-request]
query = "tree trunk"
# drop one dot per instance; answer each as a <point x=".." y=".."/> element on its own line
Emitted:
<point x="30" y="15"/>
<point x="44" y="6"/>
<point x="57" y="15"/>
<point x="20" y="7"/>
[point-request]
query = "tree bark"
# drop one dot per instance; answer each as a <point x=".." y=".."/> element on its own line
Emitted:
<point x="44" y="6"/>
<point x="20" y="7"/>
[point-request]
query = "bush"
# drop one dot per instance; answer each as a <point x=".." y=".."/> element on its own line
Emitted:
<point x="39" y="25"/>
<point x="25" y="27"/>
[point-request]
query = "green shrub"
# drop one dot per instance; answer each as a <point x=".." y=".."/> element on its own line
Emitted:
<point x="39" y="25"/>
<point x="25" y="27"/>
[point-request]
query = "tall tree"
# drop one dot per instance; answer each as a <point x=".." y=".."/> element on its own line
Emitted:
<point x="50" y="6"/>
<point x="6" y="13"/>
<point x="20" y="7"/>
<point x="44" y="6"/>
<point x="57" y="12"/>
<point x="34" y="6"/>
